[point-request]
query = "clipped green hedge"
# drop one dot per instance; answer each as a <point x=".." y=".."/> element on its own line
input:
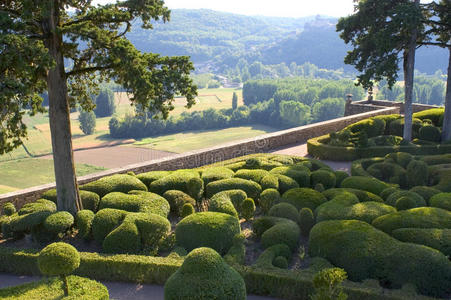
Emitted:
<point x="115" y="183"/>
<point x="266" y="259"/>
<point x="273" y="231"/>
<point x="216" y="173"/>
<point x="251" y="188"/>
<point x="416" y="198"/>
<point x="207" y="229"/>
<point x="205" y="275"/>
<point x="365" y="252"/>
<point x="178" y="180"/>
<point x="177" y="199"/>
<point x="149" y="177"/>
<point x="284" y="210"/>
<point x="439" y="239"/>
<point x="268" y="198"/>
<point x="369" y="184"/>
<point x="89" y="200"/>
<point x="362" y="195"/>
<point x="299" y="173"/>
<point x="255" y="175"/>
<point x="83" y="221"/>
<point x="441" y="200"/>
<point x="228" y="202"/>
<point x="303" y="197"/>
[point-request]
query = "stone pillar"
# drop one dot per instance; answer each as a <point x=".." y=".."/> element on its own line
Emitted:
<point x="348" y="104"/>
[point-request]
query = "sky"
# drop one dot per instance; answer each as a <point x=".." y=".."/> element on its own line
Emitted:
<point x="279" y="8"/>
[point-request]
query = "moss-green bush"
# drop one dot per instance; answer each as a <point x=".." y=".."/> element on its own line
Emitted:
<point x="372" y="185"/>
<point x="177" y="199"/>
<point x="266" y="259"/>
<point x="441" y="200"/>
<point x="326" y="178"/>
<point x="306" y="220"/>
<point x="222" y="202"/>
<point x="255" y="175"/>
<point x="280" y="262"/>
<point x="177" y="180"/>
<point x="346" y="206"/>
<point x="105" y="220"/>
<point x="275" y="231"/>
<point x="216" y="173"/>
<point x="319" y="187"/>
<point x="303" y="197"/>
<point x="270" y="182"/>
<point x="385" y="140"/>
<point x="267" y="198"/>
<point x="83" y="221"/>
<point x="284" y="210"/>
<point x="405" y="203"/>
<point x="389" y="172"/>
<point x="149" y="177"/>
<point x="434" y="114"/>
<point x="340" y="176"/>
<point x="299" y="173"/>
<point x="401" y="158"/>
<point x="417" y="173"/>
<point x="430" y="133"/>
<point x="285" y="183"/>
<point x="251" y="188"/>
<point x="363" y="196"/>
<point x="439" y="239"/>
<point x="8" y="209"/>
<point x="425" y="191"/>
<point x="205" y="275"/>
<point x="58" y="222"/>
<point x="38" y="205"/>
<point x="388" y="191"/>
<point x="248" y="209"/>
<point x="115" y="183"/>
<point x="89" y="200"/>
<point x="140" y="202"/>
<point x="418" y="200"/>
<point x="421" y="217"/>
<point x="365" y="252"/>
<point x="372" y="127"/>
<point x="58" y="259"/>
<point x="207" y="229"/>
<point x="123" y="239"/>
<point x="187" y="209"/>
<point x="397" y="127"/>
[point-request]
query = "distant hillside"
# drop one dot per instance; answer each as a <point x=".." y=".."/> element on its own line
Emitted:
<point x="217" y="40"/>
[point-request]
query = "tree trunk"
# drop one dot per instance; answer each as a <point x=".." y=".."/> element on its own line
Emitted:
<point x="408" y="66"/>
<point x="59" y="118"/>
<point x="446" y="134"/>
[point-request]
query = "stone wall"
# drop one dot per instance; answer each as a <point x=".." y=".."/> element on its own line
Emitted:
<point x="358" y="107"/>
<point x="263" y="143"/>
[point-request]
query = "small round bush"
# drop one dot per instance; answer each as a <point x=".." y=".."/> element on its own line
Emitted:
<point x="326" y="178"/>
<point x="255" y="175"/>
<point x="105" y="221"/>
<point x="216" y="173"/>
<point x="251" y="188"/>
<point x="388" y="191"/>
<point x="90" y="200"/>
<point x="284" y="210"/>
<point x="303" y="197"/>
<point x="205" y="275"/>
<point x="425" y="191"/>
<point x="270" y="182"/>
<point x="187" y="209"/>
<point x="207" y="229"/>
<point x="391" y="200"/>
<point x="8" y="209"/>
<point x="275" y="231"/>
<point x="280" y="262"/>
<point x="228" y="202"/>
<point x="340" y="176"/>
<point x="267" y="198"/>
<point x="58" y="222"/>
<point x="430" y="133"/>
<point x="177" y="199"/>
<point x="115" y="183"/>
<point x="123" y="239"/>
<point x="441" y="200"/>
<point x="417" y="173"/>
<point x="369" y="184"/>
<point x="83" y="221"/>
<point x="306" y="220"/>
<point x="248" y="209"/>
<point x="58" y="259"/>
<point x="404" y="203"/>
<point x="300" y="174"/>
<point x="319" y="187"/>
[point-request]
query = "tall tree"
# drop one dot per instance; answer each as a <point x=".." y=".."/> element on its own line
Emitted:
<point x="380" y="31"/>
<point x="37" y="37"/>
<point x="234" y="101"/>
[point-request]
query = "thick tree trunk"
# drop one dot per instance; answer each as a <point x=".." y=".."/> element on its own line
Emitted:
<point x="409" y="65"/>
<point x="446" y="134"/>
<point x="59" y="118"/>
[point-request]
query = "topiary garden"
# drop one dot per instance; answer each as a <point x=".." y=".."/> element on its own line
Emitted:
<point x="263" y="224"/>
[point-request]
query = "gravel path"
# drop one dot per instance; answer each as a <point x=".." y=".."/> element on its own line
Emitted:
<point x="117" y="290"/>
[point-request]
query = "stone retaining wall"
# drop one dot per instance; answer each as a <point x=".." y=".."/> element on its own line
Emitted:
<point x="358" y="107"/>
<point x="263" y="143"/>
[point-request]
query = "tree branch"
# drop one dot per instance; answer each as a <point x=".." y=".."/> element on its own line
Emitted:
<point x="88" y="69"/>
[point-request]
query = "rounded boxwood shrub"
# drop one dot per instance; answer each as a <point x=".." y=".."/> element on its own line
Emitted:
<point x="267" y="198"/>
<point x="187" y="209"/>
<point x="123" y="239"/>
<point x="418" y="200"/>
<point x="369" y="184"/>
<point x="303" y="197"/>
<point x="441" y="200"/>
<point x="222" y="202"/>
<point x="89" y="200"/>
<point x="439" y="239"/>
<point x="177" y="180"/>
<point x="326" y="178"/>
<point x="251" y="188"/>
<point x="205" y="275"/>
<point x="306" y="220"/>
<point x="425" y="191"/>
<point x="365" y="252"/>
<point x="8" y="209"/>
<point x="270" y="182"/>
<point x="363" y="196"/>
<point x="340" y="176"/>
<point x="388" y="191"/>
<point x="401" y="158"/>
<point x="105" y="220"/>
<point x="285" y="183"/>
<point x="430" y="133"/>
<point x="149" y="177"/>
<point x="207" y="229"/>
<point x="280" y="262"/>
<point x="266" y="259"/>
<point x="372" y="127"/>
<point x="433" y="114"/>
<point x="420" y="217"/>
<point x="404" y="203"/>
<point x="58" y="222"/>
<point x="389" y="172"/>
<point x="58" y="259"/>
<point x="284" y="210"/>
<point x="255" y="175"/>
<point x="115" y="183"/>
<point x="397" y="127"/>
<point x="417" y="173"/>
<point x="216" y="173"/>
<point x="83" y="221"/>
<point x="139" y="201"/>
<point x="300" y="174"/>
<point x="177" y="199"/>
<point x="319" y="187"/>
<point x="248" y="209"/>
<point x="275" y="231"/>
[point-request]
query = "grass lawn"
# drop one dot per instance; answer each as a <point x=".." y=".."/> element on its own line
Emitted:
<point x="193" y="140"/>
<point x="24" y="173"/>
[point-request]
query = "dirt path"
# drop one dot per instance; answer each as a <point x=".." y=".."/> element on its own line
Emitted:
<point x="116" y="156"/>
<point x="117" y="290"/>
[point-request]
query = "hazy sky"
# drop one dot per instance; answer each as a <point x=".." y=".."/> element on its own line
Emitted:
<point x="280" y="8"/>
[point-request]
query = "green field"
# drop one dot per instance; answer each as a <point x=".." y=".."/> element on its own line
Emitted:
<point x="24" y="173"/>
<point x="193" y="140"/>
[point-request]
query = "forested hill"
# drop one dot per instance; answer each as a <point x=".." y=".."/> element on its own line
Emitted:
<point x="218" y="40"/>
